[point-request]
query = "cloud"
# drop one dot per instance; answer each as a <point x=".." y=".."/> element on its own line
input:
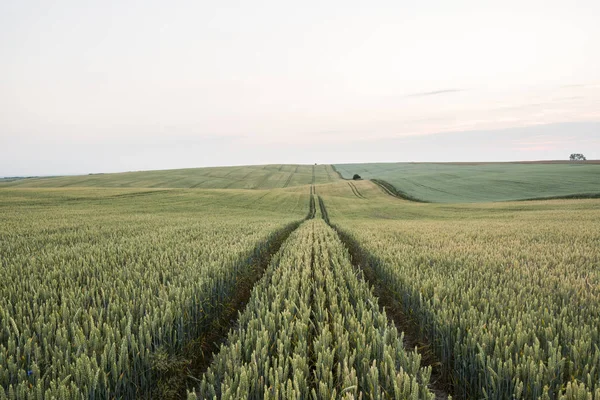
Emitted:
<point x="435" y="92"/>
<point x="577" y="85"/>
<point x="536" y="148"/>
<point x="571" y="98"/>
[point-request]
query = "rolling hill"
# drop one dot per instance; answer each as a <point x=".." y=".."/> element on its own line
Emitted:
<point x="482" y="182"/>
<point x="241" y="177"/>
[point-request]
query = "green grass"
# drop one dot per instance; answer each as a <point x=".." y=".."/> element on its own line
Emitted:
<point x="243" y="177"/>
<point x="470" y="183"/>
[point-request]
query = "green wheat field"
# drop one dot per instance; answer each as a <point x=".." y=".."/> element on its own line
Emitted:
<point x="418" y="281"/>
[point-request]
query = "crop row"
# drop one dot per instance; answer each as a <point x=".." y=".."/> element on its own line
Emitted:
<point x="511" y="306"/>
<point x="89" y="296"/>
<point x="313" y="329"/>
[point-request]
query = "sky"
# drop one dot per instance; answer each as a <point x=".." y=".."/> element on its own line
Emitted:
<point x="107" y="86"/>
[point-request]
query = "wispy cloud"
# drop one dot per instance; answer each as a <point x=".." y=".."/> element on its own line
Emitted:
<point x="577" y="85"/>
<point x="435" y="92"/>
<point x="536" y="148"/>
<point x="572" y="98"/>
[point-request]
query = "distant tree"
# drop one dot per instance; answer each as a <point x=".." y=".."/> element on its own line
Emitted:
<point x="356" y="177"/>
<point x="577" y="157"/>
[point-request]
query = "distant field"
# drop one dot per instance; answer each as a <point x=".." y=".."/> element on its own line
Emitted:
<point x="481" y="182"/>
<point x="242" y="177"/>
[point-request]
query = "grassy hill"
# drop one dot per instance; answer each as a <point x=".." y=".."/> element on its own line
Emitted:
<point x="481" y="182"/>
<point x="432" y="182"/>
<point x="242" y="177"/>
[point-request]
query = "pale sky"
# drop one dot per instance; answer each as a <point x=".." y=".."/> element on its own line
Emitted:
<point x="102" y="86"/>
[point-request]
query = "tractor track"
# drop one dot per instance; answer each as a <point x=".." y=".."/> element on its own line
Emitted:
<point x="196" y="356"/>
<point x="228" y="320"/>
<point x="440" y="383"/>
<point x="288" y="180"/>
<point x="355" y="190"/>
<point x="329" y="179"/>
<point x="391" y="190"/>
<point x="338" y="173"/>
<point x="264" y="180"/>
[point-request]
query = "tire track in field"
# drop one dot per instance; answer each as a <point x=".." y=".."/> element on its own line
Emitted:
<point x="381" y="184"/>
<point x="232" y="170"/>
<point x="289" y="179"/>
<point x="322" y="322"/>
<point x="391" y="190"/>
<point x="245" y="177"/>
<point x="137" y="194"/>
<point x="312" y="331"/>
<point x="167" y="183"/>
<point x="260" y="198"/>
<point x="324" y="214"/>
<point x="338" y="172"/>
<point x="328" y="174"/>
<point x="312" y="209"/>
<point x="440" y="382"/>
<point x="264" y="180"/>
<point x="198" y="354"/>
<point x="195" y="185"/>
<point x="355" y="190"/>
<point x="430" y="187"/>
<point x="209" y="177"/>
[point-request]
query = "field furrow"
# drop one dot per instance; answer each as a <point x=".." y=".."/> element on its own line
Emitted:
<point x="313" y="328"/>
<point x="355" y="190"/>
<point x="504" y="296"/>
<point x="288" y="180"/>
<point x="122" y="288"/>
